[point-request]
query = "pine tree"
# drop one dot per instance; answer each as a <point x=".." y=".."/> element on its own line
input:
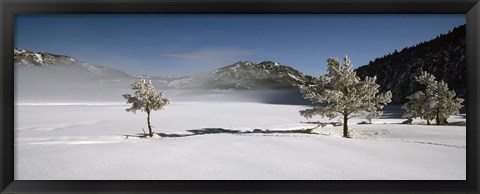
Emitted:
<point x="342" y="93"/>
<point x="146" y="100"/>
<point x="435" y="102"/>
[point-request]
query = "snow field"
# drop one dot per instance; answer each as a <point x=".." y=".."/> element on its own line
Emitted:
<point x="81" y="142"/>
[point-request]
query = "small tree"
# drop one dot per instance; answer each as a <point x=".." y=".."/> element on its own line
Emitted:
<point x="145" y="100"/>
<point x="436" y="102"/>
<point x="341" y="93"/>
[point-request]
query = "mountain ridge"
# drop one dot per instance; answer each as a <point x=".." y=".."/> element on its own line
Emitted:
<point x="31" y="59"/>
<point x="242" y="75"/>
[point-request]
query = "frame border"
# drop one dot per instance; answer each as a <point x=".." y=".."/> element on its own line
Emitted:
<point x="8" y="9"/>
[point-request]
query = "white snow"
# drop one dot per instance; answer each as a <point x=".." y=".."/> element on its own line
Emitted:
<point x="180" y="83"/>
<point x="18" y="51"/>
<point x="69" y="103"/>
<point x="292" y="76"/>
<point x="234" y="68"/>
<point x="83" y="141"/>
<point x="94" y="69"/>
<point x="38" y="58"/>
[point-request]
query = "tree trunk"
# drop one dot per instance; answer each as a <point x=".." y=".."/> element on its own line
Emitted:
<point x="428" y="122"/>
<point x="439" y="122"/>
<point x="149" y="126"/>
<point x="345" y="126"/>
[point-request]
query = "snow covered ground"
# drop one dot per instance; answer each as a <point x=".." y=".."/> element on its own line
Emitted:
<point x="215" y="140"/>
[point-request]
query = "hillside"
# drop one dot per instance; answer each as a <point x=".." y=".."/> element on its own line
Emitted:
<point x="245" y="75"/>
<point x="444" y="57"/>
<point x="63" y="65"/>
<point x="50" y="77"/>
<point x="242" y="75"/>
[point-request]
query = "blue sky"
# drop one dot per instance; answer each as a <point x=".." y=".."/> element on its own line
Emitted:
<point x="181" y="45"/>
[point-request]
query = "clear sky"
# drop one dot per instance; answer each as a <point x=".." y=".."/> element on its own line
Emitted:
<point x="180" y="45"/>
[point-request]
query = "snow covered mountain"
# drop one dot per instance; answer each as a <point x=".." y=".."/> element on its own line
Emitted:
<point x="444" y="57"/>
<point x="50" y="77"/>
<point x="247" y="75"/>
<point x="66" y="64"/>
<point x="244" y="75"/>
<point x="45" y="77"/>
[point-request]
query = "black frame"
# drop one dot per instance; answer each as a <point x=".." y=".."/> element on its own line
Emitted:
<point x="8" y="8"/>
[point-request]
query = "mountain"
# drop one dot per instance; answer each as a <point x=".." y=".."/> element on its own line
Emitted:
<point x="444" y="57"/>
<point x="65" y="64"/>
<point x="49" y="77"/>
<point x="242" y="75"/>
<point x="41" y="76"/>
<point x="245" y="75"/>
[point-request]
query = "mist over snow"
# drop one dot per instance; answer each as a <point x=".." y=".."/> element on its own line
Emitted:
<point x="49" y="78"/>
<point x="51" y="85"/>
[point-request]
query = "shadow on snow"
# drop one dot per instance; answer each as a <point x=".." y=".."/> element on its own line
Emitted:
<point x="206" y="131"/>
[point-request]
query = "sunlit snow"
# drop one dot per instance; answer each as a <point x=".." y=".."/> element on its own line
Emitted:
<point x="229" y="140"/>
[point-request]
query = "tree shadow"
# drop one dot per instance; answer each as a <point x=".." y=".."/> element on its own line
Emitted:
<point x="393" y="111"/>
<point x="323" y="124"/>
<point x="458" y="123"/>
<point x="206" y="131"/>
<point x="138" y="135"/>
<point x="391" y="115"/>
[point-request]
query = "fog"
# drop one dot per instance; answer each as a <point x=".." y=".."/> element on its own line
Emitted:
<point x="64" y="85"/>
<point x="267" y="96"/>
<point x="68" y="85"/>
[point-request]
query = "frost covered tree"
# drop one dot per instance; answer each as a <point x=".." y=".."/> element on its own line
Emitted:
<point x="435" y="102"/>
<point x="341" y="92"/>
<point x="146" y="100"/>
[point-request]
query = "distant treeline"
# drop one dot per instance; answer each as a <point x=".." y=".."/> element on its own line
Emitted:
<point x="444" y="57"/>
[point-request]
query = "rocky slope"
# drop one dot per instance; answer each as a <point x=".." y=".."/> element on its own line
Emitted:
<point x="63" y="64"/>
<point x="245" y="75"/>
